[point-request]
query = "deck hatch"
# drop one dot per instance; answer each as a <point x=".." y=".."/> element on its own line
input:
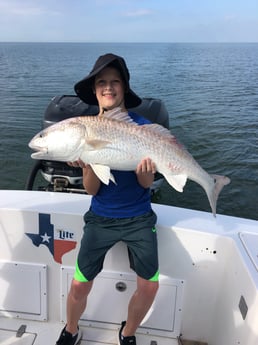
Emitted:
<point x="23" y="291"/>
<point x="9" y="337"/>
<point x="107" y="305"/>
<point x="250" y="242"/>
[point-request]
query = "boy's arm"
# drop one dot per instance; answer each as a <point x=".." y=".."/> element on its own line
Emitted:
<point x="91" y="182"/>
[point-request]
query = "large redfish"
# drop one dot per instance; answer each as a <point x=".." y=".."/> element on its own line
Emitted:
<point x="115" y="141"/>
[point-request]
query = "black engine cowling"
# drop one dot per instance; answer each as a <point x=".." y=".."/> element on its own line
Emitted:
<point x="63" y="178"/>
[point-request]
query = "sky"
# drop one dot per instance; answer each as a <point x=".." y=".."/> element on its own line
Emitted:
<point x="128" y="20"/>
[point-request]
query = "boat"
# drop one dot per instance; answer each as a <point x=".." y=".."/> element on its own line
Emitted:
<point x="208" y="291"/>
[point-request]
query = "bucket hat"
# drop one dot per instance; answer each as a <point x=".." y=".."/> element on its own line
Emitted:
<point x="84" y="88"/>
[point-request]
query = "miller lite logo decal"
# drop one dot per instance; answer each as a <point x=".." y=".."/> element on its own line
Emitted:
<point x="58" y="242"/>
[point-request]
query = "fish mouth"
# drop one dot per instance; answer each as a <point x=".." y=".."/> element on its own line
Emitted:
<point x="40" y="151"/>
<point x="38" y="155"/>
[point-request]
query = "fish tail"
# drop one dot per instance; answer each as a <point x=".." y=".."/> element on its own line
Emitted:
<point x="220" y="182"/>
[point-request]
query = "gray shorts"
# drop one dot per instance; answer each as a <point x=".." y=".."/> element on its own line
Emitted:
<point x="101" y="233"/>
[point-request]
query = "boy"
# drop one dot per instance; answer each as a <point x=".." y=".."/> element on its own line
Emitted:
<point x="118" y="212"/>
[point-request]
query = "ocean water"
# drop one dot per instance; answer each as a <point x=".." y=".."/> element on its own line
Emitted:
<point x="210" y="92"/>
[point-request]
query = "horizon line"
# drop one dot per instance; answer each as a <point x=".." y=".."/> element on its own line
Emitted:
<point x="138" y="42"/>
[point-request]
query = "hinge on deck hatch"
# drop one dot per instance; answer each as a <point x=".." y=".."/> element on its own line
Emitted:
<point x="243" y="307"/>
<point x="21" y="331"/>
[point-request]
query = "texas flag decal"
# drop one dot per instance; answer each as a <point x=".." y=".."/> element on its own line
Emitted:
<point x="58" y="242"/>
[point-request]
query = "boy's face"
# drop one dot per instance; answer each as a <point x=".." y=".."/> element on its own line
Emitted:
<point x="109" y="88"/>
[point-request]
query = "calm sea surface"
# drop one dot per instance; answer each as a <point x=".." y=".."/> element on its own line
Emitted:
<point x="210" y="91"/>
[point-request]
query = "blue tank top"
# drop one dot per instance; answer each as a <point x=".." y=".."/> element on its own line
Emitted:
<point x="126" y="198"/>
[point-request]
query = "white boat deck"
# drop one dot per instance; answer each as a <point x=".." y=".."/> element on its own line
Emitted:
<point x="39" y="333"/>
<point x="48" y="333"/>
<point x="209" y="276"/>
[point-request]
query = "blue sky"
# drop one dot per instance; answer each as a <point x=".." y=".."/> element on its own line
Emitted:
<point x="129" y="20"/>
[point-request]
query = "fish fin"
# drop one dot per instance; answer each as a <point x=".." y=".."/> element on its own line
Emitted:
<point x="119" y="115"/>
<point x="158" y="129"/>
<point x="97" y="144"/>
<point x="103" y="173"/>
<point x="176" y="181"/>
<point x="220" y="182"/>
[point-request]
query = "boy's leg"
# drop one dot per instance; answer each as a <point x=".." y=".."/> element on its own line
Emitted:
<point x="76" y="303"/>
<point x="139" y="304"/>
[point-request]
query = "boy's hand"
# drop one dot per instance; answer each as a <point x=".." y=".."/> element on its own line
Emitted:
<point x="146" y="166"/>
<point x="78" y="164"/>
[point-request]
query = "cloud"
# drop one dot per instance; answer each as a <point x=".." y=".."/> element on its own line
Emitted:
<point x="18" y="8"/>
<point x="230" y="17"/>
<point x="137" y="13"/>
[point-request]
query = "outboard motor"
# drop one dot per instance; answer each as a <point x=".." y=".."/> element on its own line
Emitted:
<point x="60" y="176"/>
